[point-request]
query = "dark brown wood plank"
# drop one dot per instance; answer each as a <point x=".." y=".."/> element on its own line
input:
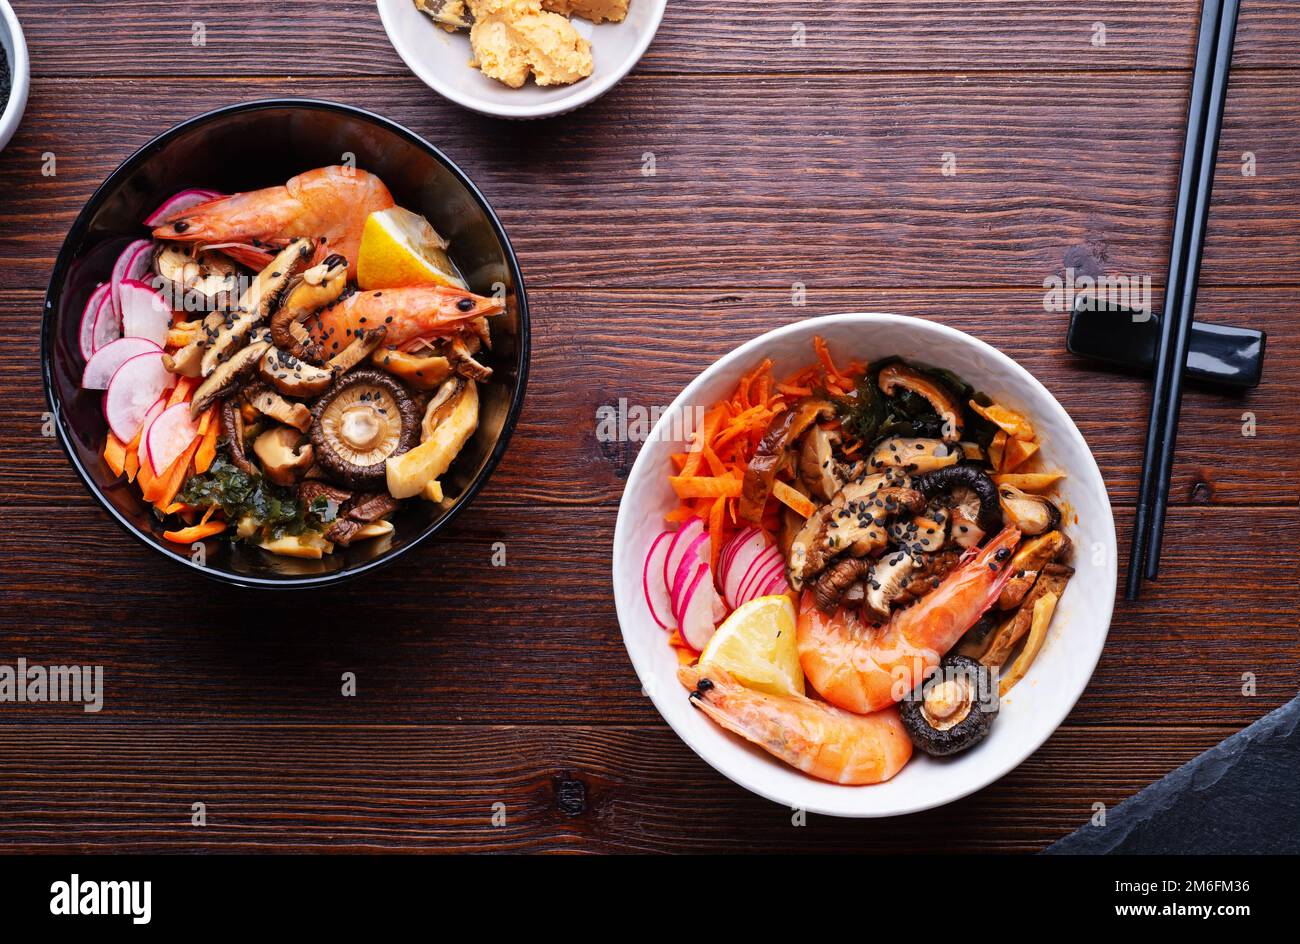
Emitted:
<point x="849" y="193"/>
<point x="644" y="347"/>
<point x="156" y="36"/>
<point x="443" y="635"/>
<point x="436" y="788"/>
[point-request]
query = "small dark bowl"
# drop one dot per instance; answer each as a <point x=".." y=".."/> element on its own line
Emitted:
<point x="246" y="147"/>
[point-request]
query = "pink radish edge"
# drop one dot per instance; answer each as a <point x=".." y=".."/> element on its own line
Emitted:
<point x="86" y="333"/>
<point x="665" y="599"/>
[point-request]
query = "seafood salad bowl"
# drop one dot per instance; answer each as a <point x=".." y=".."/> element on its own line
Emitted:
<point x="285" y="342"/>
<point x="864" y="565"/>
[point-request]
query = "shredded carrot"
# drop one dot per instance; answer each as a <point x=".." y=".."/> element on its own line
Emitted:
<point x="704" y="486"/>
<point x="195" y="533"/>
<point x="114" y="454"/>
<point x="181" y="392"/>
<point x="716" y="521"/>
<point x="789" y="496"/>
<point x="170" y="482"/>
<point x="833" y="375"/>
<point x="207" y="451"/>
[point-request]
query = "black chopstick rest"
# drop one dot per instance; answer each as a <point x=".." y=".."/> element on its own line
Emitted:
<point x="1217" y="353"/>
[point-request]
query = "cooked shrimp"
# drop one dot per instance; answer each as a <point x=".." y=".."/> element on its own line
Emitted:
<point x="426" y="311"/>
<point x="864" y="668"/>
<point x="819" y="739"/>
<point x="329" y="204"/>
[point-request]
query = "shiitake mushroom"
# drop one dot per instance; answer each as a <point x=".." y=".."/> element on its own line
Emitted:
<point x="366" y="418"/>
<point x="953" y="709"/>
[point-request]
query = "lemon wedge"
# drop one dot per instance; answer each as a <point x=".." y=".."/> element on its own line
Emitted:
<point x="399" y="249"/>
<point x="757" y="645"/>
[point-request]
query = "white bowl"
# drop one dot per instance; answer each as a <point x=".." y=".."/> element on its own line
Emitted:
<point x="441" y="60"/>
<point x="1029" y="714"/>
<point x="15" y="46"/>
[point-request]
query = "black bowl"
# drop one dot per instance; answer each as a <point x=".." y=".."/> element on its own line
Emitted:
<point x="245" y="147"/>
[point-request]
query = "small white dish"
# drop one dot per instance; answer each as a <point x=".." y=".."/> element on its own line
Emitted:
<point x="15" y="47"/>
<point x="441" y="60"/>
<point x="1028" y="715"/>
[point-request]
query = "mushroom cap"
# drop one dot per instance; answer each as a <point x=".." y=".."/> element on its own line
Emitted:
<point x="358" y="424"/>
<point x="953" y="709"/>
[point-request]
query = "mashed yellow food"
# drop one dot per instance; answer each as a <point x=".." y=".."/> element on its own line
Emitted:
<point x="513" y="38"/>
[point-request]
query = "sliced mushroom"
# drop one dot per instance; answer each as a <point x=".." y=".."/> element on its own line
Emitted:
<point x="360" y="347"/>
<point x="1031" y="557"/>
<point x="292" y="376"/>
<point x="320" y="286"/>
<point x="887" y="583"/>
<point x="772" y="454"/>
<point x="256" y="303"/>
<point x="920" y="534"/>
<point x="1032" y="514"/>
<point x="283" y="454"/>
<point x="966" y="531"/>
<point x="836" y="580"/>
<point x="366" y="418"/>
<point x="462" y="360"/>
<point x="946" y="406"/>
<point x="930" y="571"/>
<point x="946" y="481"/>
<point x="422" y="373"/>
<point x="232" y="428"/>
<point x="228" y="376"/>
<point x="208" y="278"/>
<point x="913" y="455"/>
<point x="863" y="514"/>
<point x="265" y="400"/>
<point x="817" y="465"/>
<point x="188" y="360"/>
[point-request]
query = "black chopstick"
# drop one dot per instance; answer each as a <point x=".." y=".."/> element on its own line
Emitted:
<point x="1191" y="273"/>
<point x="1207" y="40"/>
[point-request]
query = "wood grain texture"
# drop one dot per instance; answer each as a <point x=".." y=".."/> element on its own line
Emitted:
<point x="443" y="634"/>
<point x="556" y="457"/>
<point x="776" y="164"/>
<point x="158" y="37"/>
<point x="845" y="189"/>
<point x="562" y="788"/>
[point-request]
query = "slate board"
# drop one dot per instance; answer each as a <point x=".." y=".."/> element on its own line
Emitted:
<point x="1239" y="797"/>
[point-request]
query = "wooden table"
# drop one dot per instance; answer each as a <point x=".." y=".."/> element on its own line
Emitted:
<point x="777" y="164"/>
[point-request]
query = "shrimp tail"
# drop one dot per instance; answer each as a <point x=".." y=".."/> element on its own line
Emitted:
<point x="822" y="741"/>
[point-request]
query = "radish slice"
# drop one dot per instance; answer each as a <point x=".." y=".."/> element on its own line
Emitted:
<point x="177" y="204"/>
<point x="87" y="333"/>
<point x="136" y="386"/>
<point x="776" y="585"/>
<point x="108" y="323"/>
<point x="770" y="565"/>
<point x="738" y="565"/>
<point x="699" y="604"/>
<point x="127" y="266"/>
<point x="155" y="411"/>
<point x="696" y="554"/>
<point x="652" y="580"/>
<point x="729" y="549"/>
<point x="103" y="364"/>
<point x="687" y="533"/>
<point x="761" y="562"/>
<point x="170" y="435"/>
<point x="145" y="313"/>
